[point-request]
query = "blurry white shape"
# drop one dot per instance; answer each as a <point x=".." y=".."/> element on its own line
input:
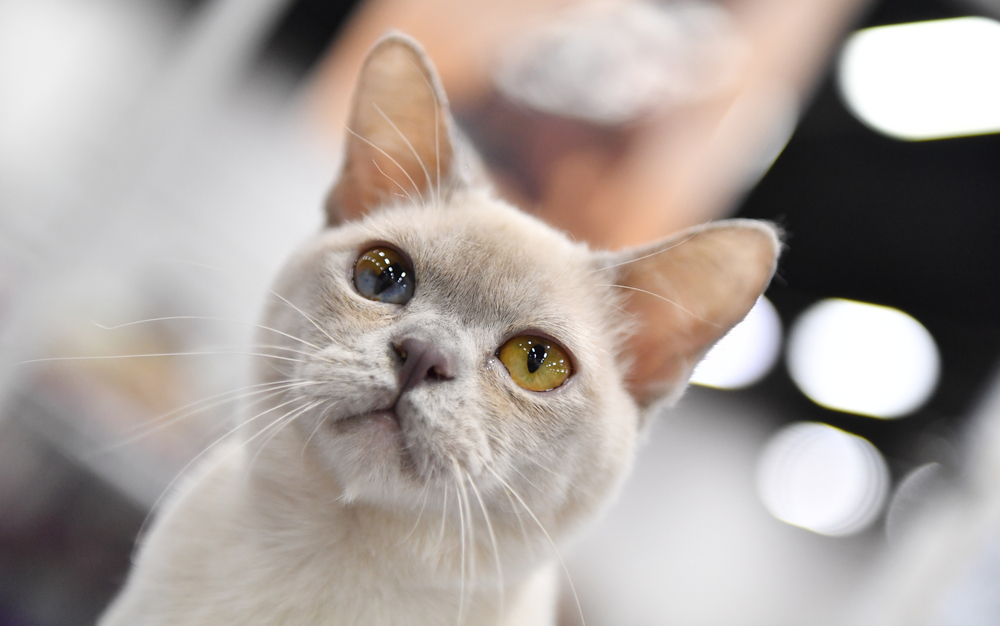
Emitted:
<point x="862" y="358"/>
<point x="823" y="479"/>
<point x="746" y="353"/>
<point x="925" y="80"/>
<point x="67" y="72"/>
<point x="613" y="62"/>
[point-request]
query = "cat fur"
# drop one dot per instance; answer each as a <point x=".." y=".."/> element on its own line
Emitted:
<point x="326" y="511"/>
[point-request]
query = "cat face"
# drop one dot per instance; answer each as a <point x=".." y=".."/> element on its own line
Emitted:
<point x="442" y="337"/>
<point x="484" y="274"/>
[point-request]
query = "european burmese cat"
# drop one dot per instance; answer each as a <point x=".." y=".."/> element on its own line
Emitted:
<point x="460" y="387"/>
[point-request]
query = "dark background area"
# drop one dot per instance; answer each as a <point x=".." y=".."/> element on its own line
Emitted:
<point x="912" y="225"/>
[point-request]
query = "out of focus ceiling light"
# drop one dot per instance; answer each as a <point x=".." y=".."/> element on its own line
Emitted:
<point x="862" y="358"/>
<point x="746" y="354"/>
<point x="823" y="479"/>
<point x="925" y="80"/>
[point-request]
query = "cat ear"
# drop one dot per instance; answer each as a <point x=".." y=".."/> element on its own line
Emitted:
<point x="399" y="134"/>
<point x="685" y="293"/>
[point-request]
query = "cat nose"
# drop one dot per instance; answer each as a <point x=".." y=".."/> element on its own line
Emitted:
<point x="423" y="361"/>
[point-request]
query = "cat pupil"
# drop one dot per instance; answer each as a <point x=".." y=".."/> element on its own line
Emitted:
<point x="536" y="356"/>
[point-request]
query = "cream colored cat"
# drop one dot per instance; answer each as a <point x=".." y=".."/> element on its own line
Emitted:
<point x="456" y="389"/>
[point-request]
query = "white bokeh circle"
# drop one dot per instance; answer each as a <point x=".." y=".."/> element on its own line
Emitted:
<point x="823" y="479"/>
<point x="862" y="358"/>
<point x="746" y="353"/>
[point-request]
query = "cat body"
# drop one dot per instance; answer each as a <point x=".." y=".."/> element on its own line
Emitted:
<point x="428" y="432"/>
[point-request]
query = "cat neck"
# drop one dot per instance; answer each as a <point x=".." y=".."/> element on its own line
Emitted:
<point x="298" y="504"/>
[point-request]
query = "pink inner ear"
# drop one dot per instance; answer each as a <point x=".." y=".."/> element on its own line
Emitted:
<point x="686" y="293"/>
<point x="399" y="135"/>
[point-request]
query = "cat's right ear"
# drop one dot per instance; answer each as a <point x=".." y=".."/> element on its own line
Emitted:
<point x="399" y="134"/>
<point x="682" y="294"/>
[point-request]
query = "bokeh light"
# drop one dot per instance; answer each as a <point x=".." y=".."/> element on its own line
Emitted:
<point x="925" y="80"/>
<point x="862" y="358"/>
<point x="823" y="479"/>
<point x="746" y="354"/>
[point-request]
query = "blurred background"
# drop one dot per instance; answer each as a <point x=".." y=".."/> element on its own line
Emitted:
<point x="838" y="460"/>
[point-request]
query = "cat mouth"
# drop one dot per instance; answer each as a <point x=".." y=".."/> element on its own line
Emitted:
<point x="385" y="419"/>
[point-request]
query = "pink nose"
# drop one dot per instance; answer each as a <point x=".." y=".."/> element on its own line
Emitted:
<point x="423" y="361"/>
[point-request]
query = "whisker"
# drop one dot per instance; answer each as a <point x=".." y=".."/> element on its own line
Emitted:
<point x="210" y="319"/>
<point x="437" y="136"/>
<point x="427" y="486"/>
<point x="444" y="514"/>
<point x="288" y="418"/>
<point x="271" y="391"/>
<point x="651" y="254"/>
<point x="261" y="387"/>
<point x="319" y="424"/>
<point x="569" y="578"/>
<point x="303" y="314"/>
<point x="393" y="181"/>
<point x="158" y="354"/>
<point x="427" y="177"/>
<point x="656" y="295"/>
<point x="437" y="145"/>
<point x="467" y="506"/>
<point x="461" y="515"/>
<point x="312" y="355"/>
<point x="211" y="446"/>
<point x="268" y="290"/>
<point x="520" y="522"/>
<point x="493" y="540"/>
<point x="394" y="162"/>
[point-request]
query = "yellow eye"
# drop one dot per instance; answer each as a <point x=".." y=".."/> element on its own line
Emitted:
<point x="382" y="274"/>
<point x="535" y="363"/>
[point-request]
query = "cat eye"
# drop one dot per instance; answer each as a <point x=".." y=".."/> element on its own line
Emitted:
<point x="384" y="275"/>
<point x="535" y="363"/>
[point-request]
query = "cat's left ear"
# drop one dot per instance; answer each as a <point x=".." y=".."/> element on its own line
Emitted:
<point x="399" y="134"/>
<point x="684" y="293"/>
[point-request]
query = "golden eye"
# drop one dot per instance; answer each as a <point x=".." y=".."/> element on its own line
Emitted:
<point x="384" y="275"/>
<point x="535" y="363"/>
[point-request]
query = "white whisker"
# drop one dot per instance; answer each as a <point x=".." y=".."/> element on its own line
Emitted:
<point x="427" y="177"/>
<point x="393" y="181"/>
<point x="572" y="587"/>
<point x="461" y="515"/>
<point x="206" y="318"/>
<point x="493" y="540"/>
<point x="444" y="514"/>
<point x="151" y="428"/>
<point x="437" y="124"/>
<point x="288" y="418"/>
<point x="427" y="486"/>
<point x="303" y="314"/>
<point x="520" y="522"/>
<point x="646" y="256"/>
<point x="271" y="292"/>
<point x="158" y="354"/>
<point x="394" y="162"/>
<point x="656" y="295"/>
<point x="319" y="424"/>
<point x="210" y="447"/>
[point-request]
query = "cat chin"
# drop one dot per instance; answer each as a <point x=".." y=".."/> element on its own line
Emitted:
<point x="366" y="455"/>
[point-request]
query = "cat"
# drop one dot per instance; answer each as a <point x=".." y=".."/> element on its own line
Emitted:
<point x="452" y="389"/>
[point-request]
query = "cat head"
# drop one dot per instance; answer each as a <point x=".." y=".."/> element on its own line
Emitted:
<point x="436" y="336"/>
